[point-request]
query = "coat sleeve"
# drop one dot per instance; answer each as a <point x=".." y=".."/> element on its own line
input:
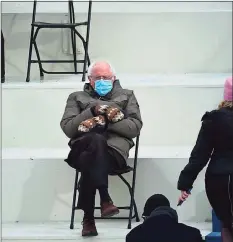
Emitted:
<point x="130" y="126"/>
<point x="73" y="116"/>
<point x="198" y="236"/>
<point x="200" y="155"/>
<point x="195" y="235"/>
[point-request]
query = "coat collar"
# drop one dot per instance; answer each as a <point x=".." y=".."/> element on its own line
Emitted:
<point x="164" y="211"/>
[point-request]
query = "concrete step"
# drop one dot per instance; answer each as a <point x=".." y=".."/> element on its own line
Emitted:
<point x="59" y="231"/>
<point x="41" y="189"/>
<point x="172" y="91"/>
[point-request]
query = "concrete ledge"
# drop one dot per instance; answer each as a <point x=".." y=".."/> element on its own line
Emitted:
<point x="119" y="7"/>
<point x="145" y="152"/>
<point x="130" y="81"/>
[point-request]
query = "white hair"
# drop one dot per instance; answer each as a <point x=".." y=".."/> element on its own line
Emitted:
<point x="91" y="66"/>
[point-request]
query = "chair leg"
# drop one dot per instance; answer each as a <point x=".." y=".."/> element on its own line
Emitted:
<point x="74" y="201"/>
<point x="37" y="52"/>
<point x="136" y="211"/>
<point x="132" y="199"/>
<point x="73" y="35"/>
<point x="88" y="60"/>
<point x="132" y="202"/>
<point x="30" y="55"/>
<point x="73" y="41"/>
<point x="31" y="42"/>
<point x="86" y="57"/>
<point x="130" y="211"/>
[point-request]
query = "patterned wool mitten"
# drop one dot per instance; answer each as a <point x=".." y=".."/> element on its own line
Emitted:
<point x="87" y="125"/>
<point x="114" y="115"/>
<point x="100" y="120"/>
<point x="99" y="109"/>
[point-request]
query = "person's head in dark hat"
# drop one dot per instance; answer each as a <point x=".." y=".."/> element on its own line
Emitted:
<point x="153" y="202"/>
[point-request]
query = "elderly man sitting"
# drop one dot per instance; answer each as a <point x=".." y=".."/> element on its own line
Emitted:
<point x="101" y="122"/>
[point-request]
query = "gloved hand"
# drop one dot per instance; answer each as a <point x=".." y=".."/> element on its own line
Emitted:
<point x="99" y="109"/>
<point x="86" y="125"/>
<point x="100" y="121"/>
<point x="89" y="124"/>
<point x="114" y="114"/>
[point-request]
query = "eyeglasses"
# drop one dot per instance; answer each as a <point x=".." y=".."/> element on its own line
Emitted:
<point x="101" y="77"/>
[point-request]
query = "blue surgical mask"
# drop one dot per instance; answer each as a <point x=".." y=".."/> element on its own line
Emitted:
<point x="103" y="87"/>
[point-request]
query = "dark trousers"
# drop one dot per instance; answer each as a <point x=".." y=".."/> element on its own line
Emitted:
<point x="219" y="190"/>
<point x="95" y="160"/>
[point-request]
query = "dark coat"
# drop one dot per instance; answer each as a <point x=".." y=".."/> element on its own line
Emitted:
<point x="214" y="144"/>
<point x="163" y="226"/>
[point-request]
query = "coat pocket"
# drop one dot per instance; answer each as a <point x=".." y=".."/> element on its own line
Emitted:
<point x="121" y="101"/>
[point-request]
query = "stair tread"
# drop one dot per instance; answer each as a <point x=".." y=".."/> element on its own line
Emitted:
<point x="60" y="230"/>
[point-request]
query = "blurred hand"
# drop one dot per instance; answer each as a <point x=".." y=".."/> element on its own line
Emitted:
<point x="184" y="195"/>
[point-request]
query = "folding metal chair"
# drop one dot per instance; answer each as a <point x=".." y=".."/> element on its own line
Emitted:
<point x="132" y="205"/>
<point x="36" y="26"/>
